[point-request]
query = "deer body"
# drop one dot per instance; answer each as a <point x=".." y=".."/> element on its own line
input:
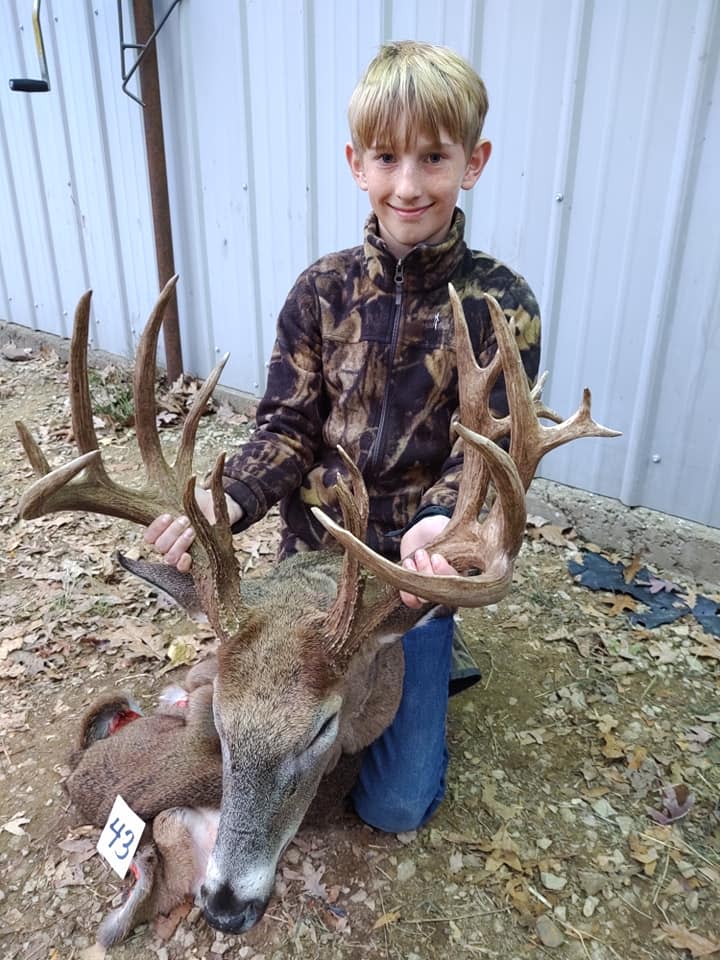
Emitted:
<point x="307" y="666"/>
<point x="284" y="719"/>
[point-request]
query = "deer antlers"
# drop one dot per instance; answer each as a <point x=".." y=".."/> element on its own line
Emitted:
<point x="490" y="545"/>
<point x="493" y="544"/>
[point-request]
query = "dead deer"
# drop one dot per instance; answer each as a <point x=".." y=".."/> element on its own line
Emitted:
<point x="307" y="665"/>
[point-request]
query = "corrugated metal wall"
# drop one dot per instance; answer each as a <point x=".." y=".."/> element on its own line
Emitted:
<point x="74" y="202"/>
<point x="602" y="190"/>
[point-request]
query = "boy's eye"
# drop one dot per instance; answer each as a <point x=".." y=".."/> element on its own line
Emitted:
<point x="434" y="157"/>
<point x="386" y="158"/>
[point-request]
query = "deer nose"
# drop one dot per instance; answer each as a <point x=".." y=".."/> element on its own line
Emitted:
<point x="225" y="912"/>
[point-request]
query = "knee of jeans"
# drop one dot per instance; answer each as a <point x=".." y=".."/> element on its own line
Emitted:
<point x="400" y="817"/>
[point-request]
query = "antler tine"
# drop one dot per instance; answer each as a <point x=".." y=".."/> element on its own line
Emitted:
<point x="529" y="439"/>
<point x="148" y="438"/>
<point x="215" y="569"/>
<point x="580" y="424"/>
<point x="79" y="386"/>
<point x="38" y="460"/>
<point x="186" y="449"/>
<point x="500" y="533"/>
<point x="541" y="410"/>
<point x="355" y="507"/>
<point x="51" y="485"/>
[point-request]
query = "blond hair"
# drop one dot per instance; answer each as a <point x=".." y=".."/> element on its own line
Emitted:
<point x="413" y="88"/>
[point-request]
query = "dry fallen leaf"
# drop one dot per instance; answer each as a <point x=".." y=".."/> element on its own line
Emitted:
<point x="677" y="800"/>
<point x="391" y="917"/>
<point x="658" y="585"/>
<point x="708" y="648"/>
<point x="311" y="880"/>
<point x="685" y="939"/>
<point x="619" y="604"/>
<point x="613" y="748"/>
<point x="15" y="825"/>
<point x="632" y="568"/>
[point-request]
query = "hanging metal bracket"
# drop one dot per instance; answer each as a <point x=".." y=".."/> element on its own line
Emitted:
<point x="25" y="84"/>
<point x="142" y="47"/>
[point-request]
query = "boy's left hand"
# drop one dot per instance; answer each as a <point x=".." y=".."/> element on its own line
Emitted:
<point x="415" y="557"/>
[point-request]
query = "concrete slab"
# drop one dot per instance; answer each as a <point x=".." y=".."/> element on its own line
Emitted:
<point x="670" y="544"/>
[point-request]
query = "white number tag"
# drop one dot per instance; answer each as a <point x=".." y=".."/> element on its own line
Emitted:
<point x="120" y="836"/>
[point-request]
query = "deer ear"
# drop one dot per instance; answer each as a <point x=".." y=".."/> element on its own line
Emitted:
<point x="178" y="586"/>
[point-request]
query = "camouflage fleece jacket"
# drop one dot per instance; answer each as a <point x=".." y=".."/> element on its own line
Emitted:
<point x="365" y="358"/>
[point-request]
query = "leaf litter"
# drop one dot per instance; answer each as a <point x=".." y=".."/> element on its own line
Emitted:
<point x="582" y="815"/>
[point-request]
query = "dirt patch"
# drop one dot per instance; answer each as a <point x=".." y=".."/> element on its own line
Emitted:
<point x="545" y="845"/>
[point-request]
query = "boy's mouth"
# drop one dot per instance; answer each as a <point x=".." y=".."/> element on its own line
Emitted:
<point x="410" y="213"/>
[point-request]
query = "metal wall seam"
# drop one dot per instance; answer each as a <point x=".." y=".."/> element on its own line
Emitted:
<point x="311" y="140"/>
<point x="59" y="86"/>
<point x="618" y="334"/>
<point x="261" y="344"/>
<point x="17" y="250"/>
<point x="29" y="195"/>
<point x="563" y="183"/>
<point x="194" y="267"/>
<point x="108" y="341"/>
<point x="593" y="237"/>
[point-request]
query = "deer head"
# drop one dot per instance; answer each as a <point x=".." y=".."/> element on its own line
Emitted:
<point x="304" y="651"/>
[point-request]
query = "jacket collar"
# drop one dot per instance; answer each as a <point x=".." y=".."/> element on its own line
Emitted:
<point x="426" y="267"/>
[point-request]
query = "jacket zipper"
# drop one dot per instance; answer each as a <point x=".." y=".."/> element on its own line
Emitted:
<point x="378" y="447"/>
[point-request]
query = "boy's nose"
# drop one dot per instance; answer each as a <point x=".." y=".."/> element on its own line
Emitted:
<point x="407" y="185"/>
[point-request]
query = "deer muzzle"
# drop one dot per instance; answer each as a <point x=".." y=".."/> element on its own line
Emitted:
<point x="239" y="881"/>
<point x="224" y="911"/>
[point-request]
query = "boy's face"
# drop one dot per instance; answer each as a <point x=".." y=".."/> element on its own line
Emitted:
<point x="414" y="193"/>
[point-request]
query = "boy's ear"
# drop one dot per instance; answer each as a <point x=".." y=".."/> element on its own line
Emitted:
<point x="476" y="164"/>
<point x="354" y="159"/>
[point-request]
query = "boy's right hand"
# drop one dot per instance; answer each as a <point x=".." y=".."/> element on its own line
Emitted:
<point x="172" y="536"/>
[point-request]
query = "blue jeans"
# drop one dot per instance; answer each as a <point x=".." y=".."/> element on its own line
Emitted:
<point x="402" y="778"/>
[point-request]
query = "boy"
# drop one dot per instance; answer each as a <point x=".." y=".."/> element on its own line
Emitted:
<point x="364" y="357"/>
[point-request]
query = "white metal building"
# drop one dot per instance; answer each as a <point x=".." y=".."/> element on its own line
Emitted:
<point x="603" y="190"/>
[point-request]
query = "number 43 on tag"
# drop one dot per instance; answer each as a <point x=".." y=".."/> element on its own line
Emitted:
<point x="120" y="836"/>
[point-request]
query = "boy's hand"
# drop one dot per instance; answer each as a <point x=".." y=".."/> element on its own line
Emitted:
<point x="415" y="557"/>
<point x="172" y="536"/>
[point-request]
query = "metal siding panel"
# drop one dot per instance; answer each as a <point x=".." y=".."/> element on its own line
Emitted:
<point x="625" y="264"/>
<point x="181" y="41"/>
<point x="209" y="167"/>
<point x="280" y="142"/>
<point x="677" y="467"/>
<point x="614" y="321"/>
<point x="90" y="187"/>
<point x="72" y="160"/>
<point x="346" y="37"/>
<point x="17" y="303"/>
<point x="521" y="50"/>
<point x="23" y="120"/>
<point x="131" y="262"/>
